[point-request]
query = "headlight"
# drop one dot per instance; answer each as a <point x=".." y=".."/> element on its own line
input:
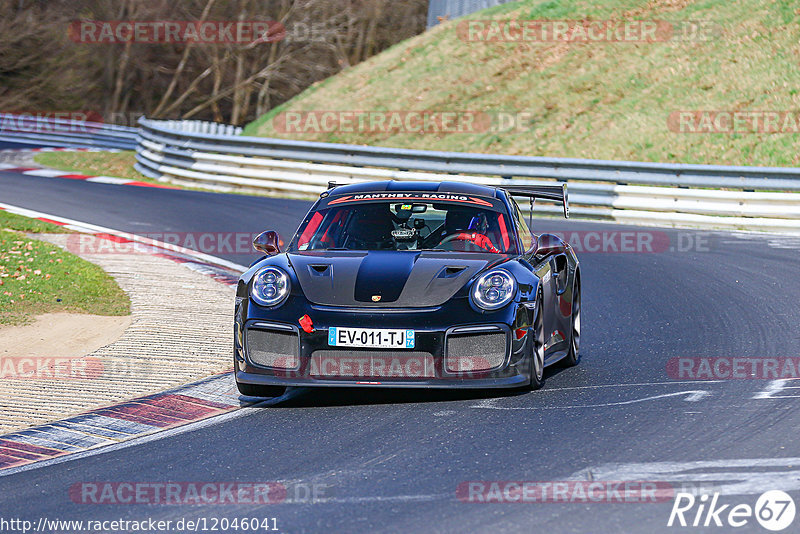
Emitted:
<point x="271" y="286"/>
<point x="494" y="290"/>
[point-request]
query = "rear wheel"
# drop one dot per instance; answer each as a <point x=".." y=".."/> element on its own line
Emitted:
<point x="536" y="343"/>
<point x="257" y="390"/>
<point x="573" y="355"/>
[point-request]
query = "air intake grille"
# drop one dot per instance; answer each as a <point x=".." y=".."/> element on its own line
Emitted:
<point x="475" y="352"/>
<point x="372" y="364"/>
<point x="268" y="348"/>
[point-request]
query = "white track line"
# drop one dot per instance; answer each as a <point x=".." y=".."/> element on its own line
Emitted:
<point x="108" y="180"/>
<point x="623" y="385"/>
<point x="691" y="396"/>
<point x="94" y="229"/>
<point x="48" y="173"/>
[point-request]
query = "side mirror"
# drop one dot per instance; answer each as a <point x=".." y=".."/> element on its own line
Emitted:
<point x="268" y="243"/>
<point x="549" y="244"/>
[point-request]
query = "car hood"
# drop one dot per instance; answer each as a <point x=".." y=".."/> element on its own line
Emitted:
<point x="386" y="278"/>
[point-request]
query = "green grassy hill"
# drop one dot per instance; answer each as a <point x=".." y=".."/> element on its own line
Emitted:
<point x="606" y="100"/>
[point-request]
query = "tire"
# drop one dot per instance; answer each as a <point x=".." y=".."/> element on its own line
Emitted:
<point x="573" y="354"/>
<point x="536" y="344"/>
<point x="256" y="390"/>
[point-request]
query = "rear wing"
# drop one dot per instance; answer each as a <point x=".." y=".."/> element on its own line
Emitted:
<point x="556" y="193"/>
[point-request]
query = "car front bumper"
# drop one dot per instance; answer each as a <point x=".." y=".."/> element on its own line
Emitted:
<point x="444" y="356"/>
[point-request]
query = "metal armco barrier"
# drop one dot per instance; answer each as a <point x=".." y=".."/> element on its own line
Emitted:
<point x="216" y="156"/>
<point x="45" y="131"/>
<point x="451" y="9"/>
<point x="709" y="196"/>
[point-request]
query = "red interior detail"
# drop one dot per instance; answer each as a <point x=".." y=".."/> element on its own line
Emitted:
<point x="313" y="224"/>
<point x="504" y="231"/>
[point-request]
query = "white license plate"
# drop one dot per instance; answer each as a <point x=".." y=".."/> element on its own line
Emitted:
<point x="371" y="337"/>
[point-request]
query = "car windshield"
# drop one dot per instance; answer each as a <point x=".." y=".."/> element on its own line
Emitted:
<point x="392" y="225"/>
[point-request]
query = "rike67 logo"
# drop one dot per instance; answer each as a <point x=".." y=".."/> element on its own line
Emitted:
<point x="774" y="510"/>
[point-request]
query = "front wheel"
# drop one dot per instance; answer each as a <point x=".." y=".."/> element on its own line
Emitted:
<point x="257" y="390"/>
<point x="573" y="354"/>
<point x="537" y="349"/>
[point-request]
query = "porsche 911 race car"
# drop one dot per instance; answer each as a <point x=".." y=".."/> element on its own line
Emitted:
<point x="409" y="284"/>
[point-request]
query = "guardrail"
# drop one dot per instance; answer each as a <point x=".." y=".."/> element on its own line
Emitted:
<point x="673" y="194"/>
<point x="216" y="156"/>
<point x="46" y="131"/>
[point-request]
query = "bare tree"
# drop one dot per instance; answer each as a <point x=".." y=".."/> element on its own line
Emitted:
<point x="41" y="68"/>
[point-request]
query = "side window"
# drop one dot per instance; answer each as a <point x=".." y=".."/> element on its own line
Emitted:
<point x="525" y="235"/>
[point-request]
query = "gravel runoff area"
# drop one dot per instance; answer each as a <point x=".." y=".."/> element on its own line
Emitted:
<point x="180" y="331"/>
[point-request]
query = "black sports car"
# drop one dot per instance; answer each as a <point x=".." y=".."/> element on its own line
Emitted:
<point x="409" y="284"/>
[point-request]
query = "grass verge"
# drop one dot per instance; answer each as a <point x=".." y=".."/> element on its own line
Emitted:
<point x="117" y="164"/>
<point x="603" y="100"/>
<point x="38" y="277"/>
<point x="120" y="165"/>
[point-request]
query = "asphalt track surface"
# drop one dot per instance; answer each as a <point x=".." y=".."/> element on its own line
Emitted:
<point x="391" y="461"/>
<point x="11" y="145"/>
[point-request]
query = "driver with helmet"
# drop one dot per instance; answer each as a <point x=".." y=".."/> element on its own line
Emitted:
<point x="467" y="224"/>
